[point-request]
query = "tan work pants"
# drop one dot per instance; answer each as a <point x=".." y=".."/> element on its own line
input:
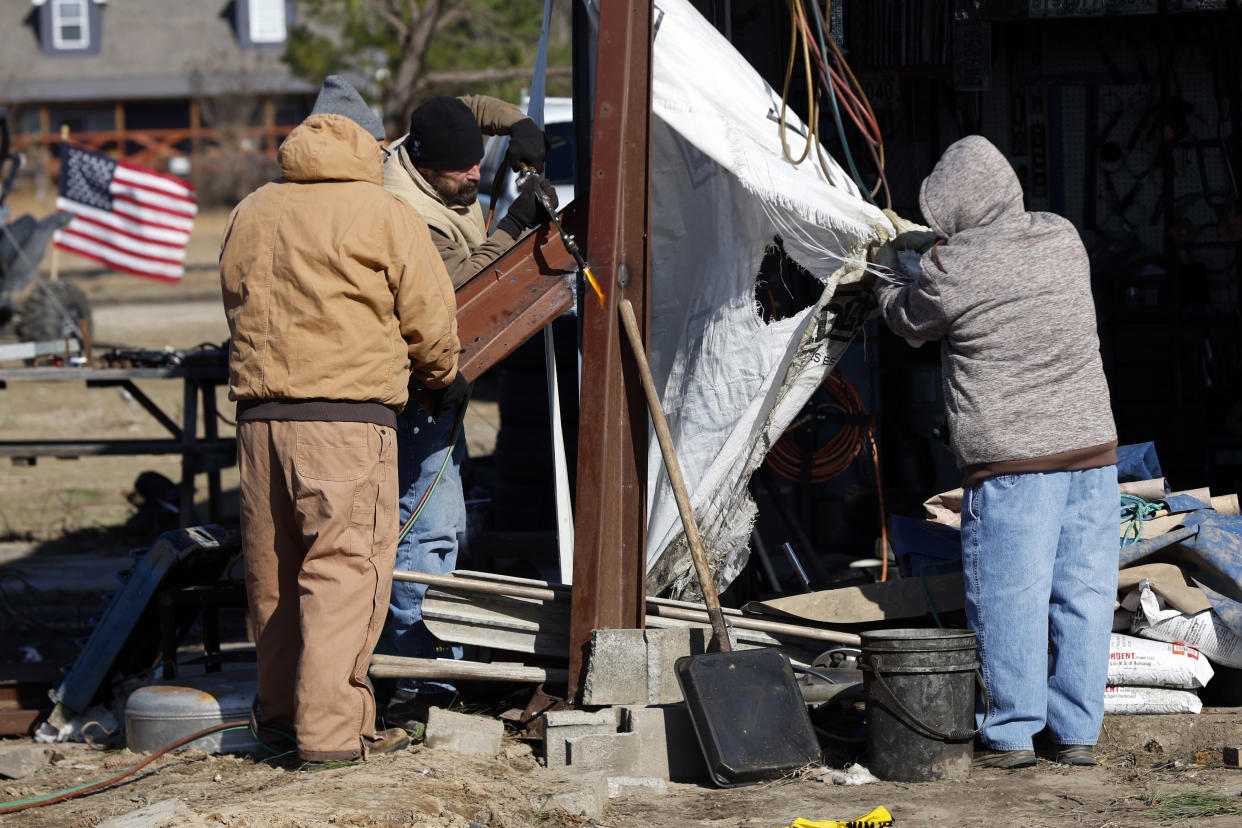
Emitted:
<point x="319" y="533"/>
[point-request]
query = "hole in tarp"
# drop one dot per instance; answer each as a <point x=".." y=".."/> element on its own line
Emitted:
<point x="782" y="286"/>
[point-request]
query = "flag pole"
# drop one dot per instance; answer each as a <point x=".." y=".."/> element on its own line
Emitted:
<point x="55" y="272"/>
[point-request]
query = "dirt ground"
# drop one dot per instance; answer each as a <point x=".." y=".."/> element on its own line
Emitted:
<point x="58" y="528"/>
<point x="427" y="787"/>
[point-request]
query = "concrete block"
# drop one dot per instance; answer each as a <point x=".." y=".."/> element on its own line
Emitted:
<point x="614" y="753"/>
<point x="463" y="733"/>
<point x="616" y="668"/>
<point x="579" y="796"/>
<point x="635" y="786"/>
<point x="575" y="718"/>
<point x="559" y="726"/>
<point x="166" y="812"/>
<point x="667" y="745"/>
<point x="20" y="762"/>
<point x="664" y="647"/>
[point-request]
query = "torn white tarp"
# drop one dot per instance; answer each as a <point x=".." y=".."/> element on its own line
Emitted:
<point x="722" y="192"/>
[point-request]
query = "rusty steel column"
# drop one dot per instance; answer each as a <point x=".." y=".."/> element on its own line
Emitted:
<point x="610" y="520"/>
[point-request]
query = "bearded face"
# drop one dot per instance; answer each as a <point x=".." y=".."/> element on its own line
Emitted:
<point x="458" y="188"/>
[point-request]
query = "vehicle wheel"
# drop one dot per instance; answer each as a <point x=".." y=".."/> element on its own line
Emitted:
<point x="41" y="316"/>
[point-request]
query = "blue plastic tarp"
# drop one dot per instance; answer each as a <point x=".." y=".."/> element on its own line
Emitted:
<point x="1137" y="462"/>
<point x="925" y="548"/>
<point x="1207" y="547"/>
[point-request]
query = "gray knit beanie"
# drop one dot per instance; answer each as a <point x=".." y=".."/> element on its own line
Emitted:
<point x="337" y="97"/>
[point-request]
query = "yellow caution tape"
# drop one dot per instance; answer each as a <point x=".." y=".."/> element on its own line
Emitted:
<point x="877" y="818"/>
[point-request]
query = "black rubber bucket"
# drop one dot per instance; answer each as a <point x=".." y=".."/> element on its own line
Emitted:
<point x="920" y="691"/>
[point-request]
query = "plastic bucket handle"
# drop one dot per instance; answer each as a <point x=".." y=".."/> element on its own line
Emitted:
<point x="874" y="667"/>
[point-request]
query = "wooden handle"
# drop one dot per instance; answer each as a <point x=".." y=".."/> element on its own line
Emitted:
<point x="720" y="636"/>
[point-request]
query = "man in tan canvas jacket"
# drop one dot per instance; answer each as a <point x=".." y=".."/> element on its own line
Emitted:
<point x="334" y="295"/>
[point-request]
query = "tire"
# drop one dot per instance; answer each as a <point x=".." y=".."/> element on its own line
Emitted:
<point x="41" y="318"/>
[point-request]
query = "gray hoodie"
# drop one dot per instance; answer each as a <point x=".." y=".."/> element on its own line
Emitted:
<point x="1009" y="296"/>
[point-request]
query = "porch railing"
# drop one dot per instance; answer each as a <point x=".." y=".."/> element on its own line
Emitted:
<point x="153" y="147"/>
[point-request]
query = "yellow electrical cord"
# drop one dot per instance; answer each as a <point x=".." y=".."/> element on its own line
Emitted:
<point x="799" y="41"/>
<point x="798" y="36"/>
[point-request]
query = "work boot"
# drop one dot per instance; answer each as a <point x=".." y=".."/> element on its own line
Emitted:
<point x="408" y="710"/>
<point x="386" y="741"/>
<point x="1004" y="759"/>
<point x="1081" y="755"/>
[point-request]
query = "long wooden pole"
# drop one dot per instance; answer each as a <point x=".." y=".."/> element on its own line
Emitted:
<point x="720" y="636"/>
<point x="388" y="666"/>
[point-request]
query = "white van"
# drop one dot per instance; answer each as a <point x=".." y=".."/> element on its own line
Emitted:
<point x="558" y="117"/>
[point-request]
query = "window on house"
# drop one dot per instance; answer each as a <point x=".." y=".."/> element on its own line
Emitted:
<point x="70" y="24"/>
<point x="267" y="21"/>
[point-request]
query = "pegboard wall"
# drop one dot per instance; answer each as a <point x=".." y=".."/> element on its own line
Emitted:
<point x="1126" y="122"/>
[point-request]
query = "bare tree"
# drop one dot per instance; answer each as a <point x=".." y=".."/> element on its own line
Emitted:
<point x="410" y="48"/>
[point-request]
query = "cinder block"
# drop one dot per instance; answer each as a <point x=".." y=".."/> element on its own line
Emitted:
<point x="667" y="745"/>
<point x="580" y="796"/>
<point x="463" y="733"/>
<point x="617" y="668"/>
<point x="635" y="786"/>
<point x="664" y="647"/>
<point x="614" y="753"/>
<point x="574" y="718"/>
<point x="559" y="726"/>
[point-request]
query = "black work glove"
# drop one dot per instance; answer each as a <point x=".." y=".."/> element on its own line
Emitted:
<point x="526" y="212"/>
<point x="437" y="401"/>
<point x="527" y="145"/>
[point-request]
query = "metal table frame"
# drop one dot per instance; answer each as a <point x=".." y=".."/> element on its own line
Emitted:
<point x="207" y="455"/>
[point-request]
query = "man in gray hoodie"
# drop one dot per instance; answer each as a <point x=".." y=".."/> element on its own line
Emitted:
<point x="1008" y="294"/>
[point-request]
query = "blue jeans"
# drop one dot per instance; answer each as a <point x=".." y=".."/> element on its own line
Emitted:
<point x="1039" y="552"/>
<point x="433" y="542"/>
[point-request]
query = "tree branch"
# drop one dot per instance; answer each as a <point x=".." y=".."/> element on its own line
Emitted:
<point x="467" y="76"/>
<point x="381" y="10"/>
<point x="448" y="17"/>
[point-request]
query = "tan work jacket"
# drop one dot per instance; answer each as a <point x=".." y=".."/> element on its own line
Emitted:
<point x="332" y="287"/>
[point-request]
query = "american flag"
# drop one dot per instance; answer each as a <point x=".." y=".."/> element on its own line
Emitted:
<point x="128" y="217"/>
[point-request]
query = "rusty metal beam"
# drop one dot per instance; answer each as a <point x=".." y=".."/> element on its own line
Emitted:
<point x="515" y="297"/>
<point x="610" y="520"/>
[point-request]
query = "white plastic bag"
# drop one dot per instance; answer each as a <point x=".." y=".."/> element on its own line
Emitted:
<point x="1150" y="700"/>
<point x="1202" y="630"/>
<point x="1137" y="662"/>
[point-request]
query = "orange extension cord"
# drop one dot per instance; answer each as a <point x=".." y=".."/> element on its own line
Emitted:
<point x="835" y="456"/>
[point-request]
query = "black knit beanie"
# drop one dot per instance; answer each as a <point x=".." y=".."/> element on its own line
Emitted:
<point x="444" y="135"/>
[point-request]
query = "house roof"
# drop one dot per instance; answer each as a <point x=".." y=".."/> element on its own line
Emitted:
<point x="149" y="49"/>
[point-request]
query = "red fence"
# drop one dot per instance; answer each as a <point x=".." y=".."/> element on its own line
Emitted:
<point x="153" y="147"/>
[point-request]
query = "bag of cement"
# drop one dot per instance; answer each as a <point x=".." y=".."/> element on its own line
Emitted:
<point x="1202" y="630"/>
<point x="1150" y="700"/>
<point x="1137" y="662"/>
